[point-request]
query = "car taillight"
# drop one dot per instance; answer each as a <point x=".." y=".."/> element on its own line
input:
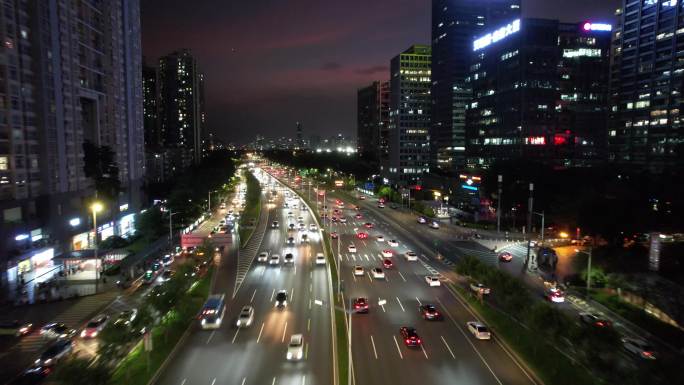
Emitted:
<point x="647" y="354"/>
<point x="418" y="340"/>
<point x="408" y="341"/>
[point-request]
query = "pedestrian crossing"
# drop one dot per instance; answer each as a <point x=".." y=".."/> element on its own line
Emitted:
<point x="246" y="254"/>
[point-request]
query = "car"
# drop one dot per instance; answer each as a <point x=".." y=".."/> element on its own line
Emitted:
<point x="479" y="330"/>
<point x="291" y="226"/>
<point x="429" y="312"/>
<point x="320" y="259"/>
<point x="411" y="256"/>
<point x="167" y="260"/>
<point x="312" y="227"/>
<point x="343" y="220"/>
<point x="478" y="287"/>
<point x="360" y="305"/>
<point x="126" y="317"/>
<point x="57" y="330"/>
<point x="246" y="317"/>
<point x="166" y="276"/>
<point x="351" y="249"/>
<point x="387" y="263"/>
<point x="55" y="352"/>
<point x="393" y="243"/>
<point x="378" y="273"/>
<point x="362" y="235"/>
<point x="433" y="280"/>
<point x="302" y="226"/>
<point x="281" y="299"/>
<point x="300" y="219"/>
<point x="358" y="216"/>
<point x="95" y="326"/>
<point x="639" y="348"/>
<point x="288" y="258"/>
<point x="393" y="206"/>
<point x="15" y="328"/>
<point x="554" y="295"/>
<point x="594" y="320"/>
<point x="380" y="238"/>
<point x="387" y="253"/>
<point x="334" y="219"/>
<point x="381" y="205"/>
<point x="290" y="240"/>
<point x="337" y="212"/>
<point x="358" y="270"/>
<point x="422" y="220"/>
<point x="274" y="259"/>
<point x="434" y="225"/>
<point x="410" y="336"/>
<point x="263" y="257"/>
<point x="505" y="256"/>
<point x="304" y="238"/>
<point x="334" y="235"/>
<point x="295" y="349"/>
<point x="362" y="197"/>
<point x="290" y="214"/>
<point x="368" y="225"/>
<point x="275" y="225"/>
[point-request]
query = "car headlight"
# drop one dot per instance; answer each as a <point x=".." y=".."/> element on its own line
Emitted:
<point x="94" y="334"/>
<point x="48" y="361"/>
<point x="289" y="355"/>
<point x="299" y="355"/>
<point x="204" y="321"/>
<point x="238" y="323"/>
<point x="83" y="333"/>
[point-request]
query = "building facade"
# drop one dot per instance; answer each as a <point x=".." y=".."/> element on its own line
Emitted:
<point x="181" y="108"/>
<point x="409" y="117"/>
<point x="455" y="23"/>
<point x="70" y="74"/>
<point x="372" y="120"/>
<point x="538" y="93"/>
<point x="646" y="86"/>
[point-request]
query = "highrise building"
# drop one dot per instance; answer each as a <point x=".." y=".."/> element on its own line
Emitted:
<point x="150" y="111"/>
<point x="539" y="92"/>
<point x="71" y="75"/>
<point x="409" y="117"/>
<point x="455" y="23"/>
<point x="372" y="120"/>
<point x="647" y="79"/>
<point x="181" y="108"/>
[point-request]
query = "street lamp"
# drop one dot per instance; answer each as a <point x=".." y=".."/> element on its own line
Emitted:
<point x="96" y="207"/>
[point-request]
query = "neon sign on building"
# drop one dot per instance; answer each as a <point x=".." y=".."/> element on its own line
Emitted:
<point x="597" y="27"/>
<point x="497" y="35"/>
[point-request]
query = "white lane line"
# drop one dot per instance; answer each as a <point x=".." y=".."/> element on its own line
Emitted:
<point x="309" y="303"/>
<point x="303" y="380"/>
<point x="354" y="257"/>
<point x="354" y="276"/>
<point x="295" y="270"/>
<point x="183" y="382"/>
<point x="273" y="382"/>
<point x="311" y="275"/>
<point x="213" y="381"/>
<point x="424" y="352"/>
<point x="375" y="352"/>
<point x="402" y="306"/>
<point x="397" y="345"/>
<point x="292" y="294"/>
<point x="235" y="336"/>
<point x="284" y="329"/>
<point x="253" y="294"/>
<point x="419" y="304"/>
<point x="211" y="336"/>
<point x="448" y="348"/>
<point x="272" y="294"/>
<point x="310" y="287"/>
<point x="467" y="338"/>
<point x="260" y="331"/>
<point x="243" y="380"/>
<point x="402" y="276"/>
<point x="308" y="325"/>
<point x="369" y="277"/>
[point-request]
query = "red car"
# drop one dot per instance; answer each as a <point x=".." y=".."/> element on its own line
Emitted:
<point x="334" y="235"/>
<point x="368" y="225"/>
<point x="410" y="336"/>
<point x="358" y="216"/>
<point x="387" y="263"/>
<point x="360" y="305"/>
<point x="505" y="257"/>
<point x="362" y="235"/>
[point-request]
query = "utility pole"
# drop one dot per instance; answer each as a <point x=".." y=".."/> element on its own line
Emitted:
<point x="591" y="248"/>
<point x="530" y="206"/>
<point x="498" y="208"/>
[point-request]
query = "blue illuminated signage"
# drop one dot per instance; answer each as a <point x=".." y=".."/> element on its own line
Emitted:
<point x="497" y="35"/>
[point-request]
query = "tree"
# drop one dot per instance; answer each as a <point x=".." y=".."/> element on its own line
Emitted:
<point x="82" y="371"/>
<point x="99" y="164"/>
<point x="150" y="224"/>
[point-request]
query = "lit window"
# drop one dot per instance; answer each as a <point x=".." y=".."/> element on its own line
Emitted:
<point x="3" y="163"/>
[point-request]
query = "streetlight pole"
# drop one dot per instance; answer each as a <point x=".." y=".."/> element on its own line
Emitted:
<point x="349" y="343"/>
<point x="171" y="214"/>
<point x="591" y="248"/>
<point x="498" y="208"/>
<point x="530" y="205"/>
<point x="96" y="207"/>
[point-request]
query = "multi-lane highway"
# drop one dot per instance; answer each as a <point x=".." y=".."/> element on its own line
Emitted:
<point x="257" y="355"/>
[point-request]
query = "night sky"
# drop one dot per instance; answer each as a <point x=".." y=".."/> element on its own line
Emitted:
<point x="270" y="63"/>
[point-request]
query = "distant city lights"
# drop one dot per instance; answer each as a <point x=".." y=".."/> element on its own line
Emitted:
<point x="497" y="35"/>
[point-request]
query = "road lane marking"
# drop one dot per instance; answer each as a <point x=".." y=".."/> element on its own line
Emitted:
<point x="306" y="351"/>
<point x="308" y="325"/>
<point x="284" y="329"/>
<point x="424" y="352"/>
<point x="469" y="341"/>
<point x="309" y="303"/>
<point x="419" y="304"/>
<point x="272" y="294"/>
<point x="183" y="382"/>
<point x="354" y="276"/>
<point x="235" y="336"/>
<point x="310" y="287"/>
<point x="369" y="277"/>
<point x="311" y="275"/>
<point x="253" y="294"/>
<point x="243" y="380"/>
<point x="210" y="336"/>
<point x="402" y="306"/>
<point x="402" y="276"/>
<point x="273" y="382"/>
<point x="397" y="345"/>
<point x="303" y="380"/>
<point x="354" y="257"/>
<point x="295" y="270"/>
<point x="260" y="331"/>
<point x="292" y="295"/>
<point x="213" y="381"/>
<point x="448" y="348"/>
<point x="375" y="352"/>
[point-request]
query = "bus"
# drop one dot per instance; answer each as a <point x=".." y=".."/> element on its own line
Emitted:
<point x="212" y="312"/>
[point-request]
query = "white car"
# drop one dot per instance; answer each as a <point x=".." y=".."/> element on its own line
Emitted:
<point x="263" y="257"/>
<point x="343" y="220"/>
<point x="274" y="259"/>
<point x="288" y="258"/>
<point x="320" y="259"/>
<point x="246" y="317"/>
<point x="479" y="330"/>
<point x="393" y="243"/>
<point x="378" y="273"/>
<point x="381" y="238"/>
<point x="477" y="287"/>
<point x="434" y="225"/>
<point x="433" y="280"/>
<point x="381" y="205"/>
<point x="422" y="220"/>
<point x="387" y="253"/>
<point x="351" y="249"/>
<point x="411" y="256"/>
<point x="295" y="349"/>
<point x="300" y="219"/>
<point x="302" y="226"/>
<point x="358" y="270"/>
<point x="312" y="227"/>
